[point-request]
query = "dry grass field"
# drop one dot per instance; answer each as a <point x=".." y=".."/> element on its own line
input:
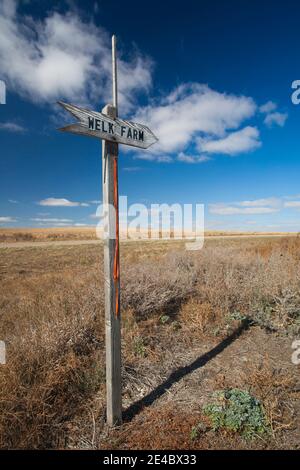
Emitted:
<point x="46" y="234"/>
<point x="194" y="323"/>
<point x="88" y="233"/>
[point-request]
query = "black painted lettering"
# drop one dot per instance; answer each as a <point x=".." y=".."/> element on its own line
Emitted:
<point x="129" y="134"/>
<point x="123" y="129"/>
<point x="97" y="124"/>
<point x="141" y="135"/>
<point x="91" y="122"/>
<point x="103" y="126"/>
<point x="135" y="134"/>
<point x="110" y="128"/>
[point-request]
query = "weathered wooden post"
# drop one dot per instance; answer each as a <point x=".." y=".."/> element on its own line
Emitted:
<point x="111" y="264"/>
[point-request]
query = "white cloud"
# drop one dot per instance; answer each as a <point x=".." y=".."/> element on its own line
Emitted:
<point x="132" y="169"/>
<point x="12" y="127"/>
<point x="273" y="116"/>
<point x="292" y="204"/>
<point x="190" y="111"/>
<point x="4" y="220"/>
<point x="57" y="224"/>
<point x="13" y="201"/>
<point x="268" y="107"/>
<point x="67" y="57"/>
<point x="231" y="214"/>
<point x="51" y="220"/>
<point x="193" y="116"/>
<point x="182" y="157"/>
<point x="244" y="140"/>
<point x="61" y="202"/>
<point x="276" y="118"/>
<point x="292" y="197"/>
<point x="223" y="209"/>
<point x="258" y="206"/>
<point x="270" y="201"/>
<point x="150" y="157"/>
<point x="64" y="57"/>
<point x="82" y="225"/>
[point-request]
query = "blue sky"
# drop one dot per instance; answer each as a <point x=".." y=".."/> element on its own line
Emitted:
<point x="212" y="79"/>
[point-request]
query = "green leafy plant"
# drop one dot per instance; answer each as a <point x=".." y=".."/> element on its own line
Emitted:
<point x="217" y="331"/>
<point x="176" y="325"/>
<point x="139" y="347"/>
<point x="236" y="316"/>
<point x="164" y="319"/>
<point x="237" y="411"/>
<point x="197" y="430"/>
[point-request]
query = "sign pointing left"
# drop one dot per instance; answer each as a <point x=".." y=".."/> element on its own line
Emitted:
<point x="99" y="125"/>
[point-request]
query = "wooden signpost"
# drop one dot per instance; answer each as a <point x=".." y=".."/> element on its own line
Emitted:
<point x="112" y="131"/>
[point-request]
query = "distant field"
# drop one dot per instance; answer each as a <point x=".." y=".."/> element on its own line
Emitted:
<point x="46" y="234"/>
<point x="8" y="235"/>
<point x="193" y="323"/>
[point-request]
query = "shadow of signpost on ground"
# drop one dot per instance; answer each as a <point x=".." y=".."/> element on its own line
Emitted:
<point x="181" y="372"/>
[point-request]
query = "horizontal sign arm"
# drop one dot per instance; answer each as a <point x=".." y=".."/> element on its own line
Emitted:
<point x="99" y="125"/>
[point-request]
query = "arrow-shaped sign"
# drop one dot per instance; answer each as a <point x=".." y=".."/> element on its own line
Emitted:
<point x="99" y="125"/>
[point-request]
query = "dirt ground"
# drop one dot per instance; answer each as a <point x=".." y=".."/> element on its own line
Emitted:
<point x="167" y="413"/>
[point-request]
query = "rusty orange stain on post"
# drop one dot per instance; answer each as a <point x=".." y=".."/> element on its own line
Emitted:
<point x="116" y="272"/>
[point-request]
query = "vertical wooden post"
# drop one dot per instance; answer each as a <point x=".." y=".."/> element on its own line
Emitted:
<point x="111" y="266"/>
<point x="114" y="73"/>
<point x="111" y="280"/>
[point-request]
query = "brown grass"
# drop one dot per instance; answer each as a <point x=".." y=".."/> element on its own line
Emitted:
<point x="11" y="235"/>
<point x="176" y="305"/>
<point x="46" y="234"/>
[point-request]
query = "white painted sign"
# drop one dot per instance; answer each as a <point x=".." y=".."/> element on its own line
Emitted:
<point x="99" y="125"/>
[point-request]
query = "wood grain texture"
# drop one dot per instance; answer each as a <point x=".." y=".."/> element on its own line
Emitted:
<point x="111" y="288"/>
<point x="121" y="129"/>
